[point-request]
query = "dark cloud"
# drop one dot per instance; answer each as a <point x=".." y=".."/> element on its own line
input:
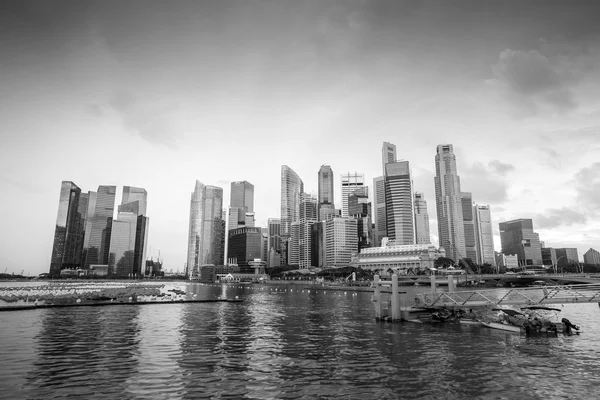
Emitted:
<point x="500" y="167"/>
<point x="153" y="123"/>
<point x="556" y="217"/>
<point x="535" y="80"/>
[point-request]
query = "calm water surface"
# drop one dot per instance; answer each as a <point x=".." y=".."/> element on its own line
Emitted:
<point x="284" y="344"/>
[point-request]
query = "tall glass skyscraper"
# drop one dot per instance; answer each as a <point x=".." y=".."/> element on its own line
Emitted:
<point x="448" y="201"/>
<point x="100" y="226"/>
<point x="206" y="228"/>
<point x="350" y="183"/>
<point x="399" y="210"/>
<point x="484" y="236"/>
<point x="469" y="225"/>
<point x="128" y="240"/>
<point x="388" y="154"/>
<point x="241" y="203"/>
<point x="70" y="229"/>
<point x="421" y="220"/>
<point x="291" y="188"/>
<point x="326" y="199"/>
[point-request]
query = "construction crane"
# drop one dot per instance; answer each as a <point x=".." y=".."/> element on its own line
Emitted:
<point x="462" y="260"/>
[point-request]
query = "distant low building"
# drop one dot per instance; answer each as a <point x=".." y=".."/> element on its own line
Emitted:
<point x="591" y="256"/>
<point x="400" y="257"/>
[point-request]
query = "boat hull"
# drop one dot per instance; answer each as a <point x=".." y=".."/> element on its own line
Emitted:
<point x="501" y="326"/>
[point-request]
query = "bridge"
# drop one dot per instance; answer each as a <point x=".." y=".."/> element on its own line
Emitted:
<point x="503" y="279"/>
<point x="394" y="306"/>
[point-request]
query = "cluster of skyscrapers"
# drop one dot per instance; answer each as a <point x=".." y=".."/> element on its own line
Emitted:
<point x="88" y="240"/>
<point x="312" y="232"/>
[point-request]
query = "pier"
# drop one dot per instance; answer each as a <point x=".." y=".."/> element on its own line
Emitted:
<point x="396" y="307"/>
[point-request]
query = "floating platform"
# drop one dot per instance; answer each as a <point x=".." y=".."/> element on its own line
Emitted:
<point x="22" y="307"/>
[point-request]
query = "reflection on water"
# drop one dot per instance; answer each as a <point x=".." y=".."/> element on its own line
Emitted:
<point x="284" y="343"/>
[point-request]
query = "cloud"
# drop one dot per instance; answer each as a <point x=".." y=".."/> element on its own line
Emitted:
<point x="500" y="167"/>
<point x="587" y="186"/>
<point x="155" y="123"/>
<point x="488" y="183"/>
<point x="543" y="79"/>
<point x="556" y="217"/>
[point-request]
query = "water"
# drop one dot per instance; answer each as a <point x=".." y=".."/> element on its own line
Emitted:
<point x="284" y="344"/>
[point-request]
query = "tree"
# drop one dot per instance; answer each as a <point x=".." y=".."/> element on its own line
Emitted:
<point x="443" y="262"/>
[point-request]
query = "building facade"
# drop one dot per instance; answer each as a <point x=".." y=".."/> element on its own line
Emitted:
<point x="245" y="245"/>
<point x="421" y="219"/>
<point x="399" y="209"/>
<point x="388" y="154"/>
<point x="566" y="255"/>
<point x="341" y="241"/>
<point x="350" y="183"/>
<point x="548" y="256"/>
<point x="274" y="227"/>
<point x="402" y="259"/>
<point x="325" y="197"/>
<point x="469" y="225"/>
<point x="591" y="256"/>
<point x="448" y="203"/>
<point x="291" y="188"/>
<point x="379" y="218"/>
<point x="99" y="241"/>
<point x="359" y="208"/>
<point x="517" y="237"/>
<point x="205" y="230"/>
<point x="69" y="232"/>
<point x="484" y="235"/>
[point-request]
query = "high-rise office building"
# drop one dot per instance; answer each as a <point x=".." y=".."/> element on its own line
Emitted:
<point x="379" y="218"/>
<point x="341" y="241"/>
<point x="206" y="228"/>
<point x="592" y="256"/>
<point x="399" y="208"/>
<point x="99" y="242"/>
<point x="291" y="188"/>
<point x="70" y="229"/>
<point x="388" y="154"/>
<point x="517" y="237"/>
<point x="129" y="234"/>
<point x="548" y="255"/>
<point x="466" y="199"/>
<point x="451" y="231"/>
<point x="241" y="203"/>
<point x="326" y="200"/>
<point x="566" y="256"/>
<point x="274" y="226"/>
<point x="484" y="235"/>
<point x="359" y="208"/>
<point x="91" y="206"/>
<point x="245" y="245"/>
<point x="350" y="183"/>
<point x="421" y="220"/>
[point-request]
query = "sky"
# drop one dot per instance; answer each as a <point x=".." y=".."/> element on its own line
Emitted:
<point x="161" y="94"/>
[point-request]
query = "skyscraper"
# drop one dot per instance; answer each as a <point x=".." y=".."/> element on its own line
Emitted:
<point x="205" y="228"/>
<point x="388" y="154"/>
<point x="70" y="229"/>
<point x="359" y="208"/>
<point x="341" y="241"/>
<point x="241" y="203"/>
<point x="484" y="236"/>
<point x="350" y="182"/>
<point x="468" y="225"/>
<point x="421" y="220"/>
<point x="129" y="234"/>
<point x="399" y="208"/>
<point x="379" y="218"/>
<point x="517" y="237"/>
<point x="291" y="188"/>
<point x="448" y="201"/>
<point x="101" y="221"/>
<point x="326" y="200"/>
<point x="274" y="241"/>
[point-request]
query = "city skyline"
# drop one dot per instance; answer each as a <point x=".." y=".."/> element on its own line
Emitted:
<point x="302" y="84"/>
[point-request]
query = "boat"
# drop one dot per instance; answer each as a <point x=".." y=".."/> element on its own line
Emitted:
<point x="501" y="326"/>
<point x="549" y="323"/>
